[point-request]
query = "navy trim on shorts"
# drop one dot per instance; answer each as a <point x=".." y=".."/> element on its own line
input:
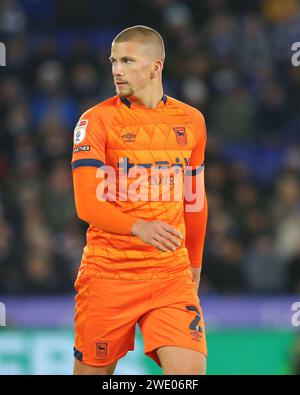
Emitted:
<point x="77" y="354"/>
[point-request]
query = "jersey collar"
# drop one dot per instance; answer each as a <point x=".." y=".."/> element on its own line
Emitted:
<point x="129" y="104"/>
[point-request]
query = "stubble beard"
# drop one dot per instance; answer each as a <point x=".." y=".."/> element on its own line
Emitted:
<point x="124" y="92"/>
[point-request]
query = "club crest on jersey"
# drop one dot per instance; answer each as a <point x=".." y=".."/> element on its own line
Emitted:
<point x="102" y="349"/>
<point x="80" y="131"/>
<point x="180" y="134"/>
<point x="129" y="137"/>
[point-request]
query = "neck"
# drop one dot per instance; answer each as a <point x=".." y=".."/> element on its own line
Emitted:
<point x="149" y="97"/>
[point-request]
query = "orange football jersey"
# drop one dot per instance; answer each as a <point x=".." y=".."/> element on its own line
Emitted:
<point x="127" y="137"/>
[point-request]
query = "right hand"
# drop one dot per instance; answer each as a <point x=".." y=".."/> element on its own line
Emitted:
<point x="158" y="233"/>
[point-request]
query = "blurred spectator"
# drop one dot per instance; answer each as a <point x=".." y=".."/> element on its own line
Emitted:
<point x="232" y="103"/>
<point x="293" y="272"/>
<point x="285" y="212"/>
<point x="12" y="17"/>
<point x="224" y="266"/>
<point x="57" y="200"/>
<point x="263" y="269"/>
<point x="45" y="274"/>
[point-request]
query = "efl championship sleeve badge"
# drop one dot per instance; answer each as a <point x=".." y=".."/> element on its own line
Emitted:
<point x="80" y="131"/>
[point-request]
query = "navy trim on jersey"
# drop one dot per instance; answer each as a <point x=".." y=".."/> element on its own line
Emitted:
<point x="127" y="102"/>
<point x="194" y="172"/>
<point x="87" y="162"/>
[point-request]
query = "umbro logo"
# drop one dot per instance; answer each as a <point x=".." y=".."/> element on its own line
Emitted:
<point x="129" y="137"/>
<point x="196" y="335"/>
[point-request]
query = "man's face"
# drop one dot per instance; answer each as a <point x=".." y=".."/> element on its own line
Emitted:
<point x="131" y="67"/>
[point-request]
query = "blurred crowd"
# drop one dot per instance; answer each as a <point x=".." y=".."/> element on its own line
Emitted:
<point x="230" y="59"/>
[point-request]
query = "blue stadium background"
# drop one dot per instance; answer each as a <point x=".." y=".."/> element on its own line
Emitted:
<point x="231" y="60"/>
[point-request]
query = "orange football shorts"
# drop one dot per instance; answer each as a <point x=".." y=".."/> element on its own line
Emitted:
<point x="107" y="310"/>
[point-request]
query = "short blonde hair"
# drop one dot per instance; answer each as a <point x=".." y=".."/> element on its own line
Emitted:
<point x="145" y="35"/>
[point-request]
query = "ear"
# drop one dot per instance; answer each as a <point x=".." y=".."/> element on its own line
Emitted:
<point x="156" y="69"/>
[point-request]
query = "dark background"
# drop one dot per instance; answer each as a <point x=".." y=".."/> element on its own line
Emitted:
<point x="229" y="59"/>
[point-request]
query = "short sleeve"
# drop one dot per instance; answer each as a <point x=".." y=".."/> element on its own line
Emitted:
<point x="89" y="141"/>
